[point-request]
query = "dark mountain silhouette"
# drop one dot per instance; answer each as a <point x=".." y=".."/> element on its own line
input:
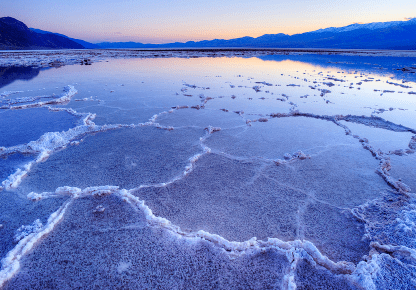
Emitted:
<point x="79" y="41"/>
<point x="380" y="35"/>
<point x="14" y="34"/>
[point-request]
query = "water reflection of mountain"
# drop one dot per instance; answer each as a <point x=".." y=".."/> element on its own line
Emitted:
<point x="10" y="74"/>
<point x="380" y="65"/>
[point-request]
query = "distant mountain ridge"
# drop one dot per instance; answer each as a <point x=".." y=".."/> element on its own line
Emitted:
<point x="85" y="44"/>
<point x="14" y="34"/>
<point x="371" y="26"/>
<point x="378" y="35"/>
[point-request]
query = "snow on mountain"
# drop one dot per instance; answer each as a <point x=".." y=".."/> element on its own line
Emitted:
<point x="371" y="26"/>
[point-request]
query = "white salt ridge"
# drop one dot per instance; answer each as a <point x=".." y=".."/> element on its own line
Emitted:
<point x="366" y="273"/>
<point x="404" y="251"/>
<point x="24" y="231"/>
<point x="372" y="121"/>
<point x="190" y="167"/>
<point x="74" y="192"/>
<point x="362" y="275"/>
<point x="16" y="178"/>
<point x="10" y="265"/>
<point x="52" y="141"/>
<point x="8" y="93"/>
<point x="385" y="166"/>
<point x="407" y="222"/>
<point x="47" y="144"/>
<point x="152" y="120"/>
<point x="376" y="122"/>
<point x="34" y="196"/>
<point x="289" y="278"/>
<point x="69" y="92"/>
<point x="234" y="249"/>
<point x="86" y="117"/>
<point x="24" y="100"/>
<point x="297" y="248"/>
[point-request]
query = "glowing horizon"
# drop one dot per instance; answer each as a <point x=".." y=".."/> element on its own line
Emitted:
<point x="164" y="22"/>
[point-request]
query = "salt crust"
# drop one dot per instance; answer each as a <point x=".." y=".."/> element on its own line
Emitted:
<point x="377" y="122"/>
<point x="52" y="141"/>
<point x="361" y="275"/>
<point x="295" y="250"/>
<point x="11" y="263"/>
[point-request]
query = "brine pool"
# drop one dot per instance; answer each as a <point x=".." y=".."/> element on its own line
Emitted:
<point x="271" y="172"/>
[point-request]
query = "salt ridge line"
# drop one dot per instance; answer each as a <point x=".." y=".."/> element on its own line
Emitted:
<point x="407" y="252"/>
<point x="384" y="166"/>
<point x="366" y="272"/>
<point x="188" y="168"/>
<point x="361" y="275"/>
<point x="209" y="130"/>
<point x="52" y="141"/>
<point x="11" y="263"/>
<point x="401" y="222"/>
<point x="15" y="178"/>
<point x="303" y="249"/>
<point x="49" y="143"/>
<point x="69" y="92"/>
<point x="65" y="98"/>
<point x="205" y="149"/>
<point x="108" y="190"/>
<point x="8" y="93"/>
<point x="23" y="100"/>
<point x="372" y="121"/>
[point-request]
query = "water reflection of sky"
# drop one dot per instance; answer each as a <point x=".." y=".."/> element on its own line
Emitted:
<point x="132" y="90"/>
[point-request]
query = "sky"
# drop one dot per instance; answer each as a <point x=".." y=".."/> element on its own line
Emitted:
<point x="158" y="21"/>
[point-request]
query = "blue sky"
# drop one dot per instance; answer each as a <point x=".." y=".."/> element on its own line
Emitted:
<point x="160" y="21"/>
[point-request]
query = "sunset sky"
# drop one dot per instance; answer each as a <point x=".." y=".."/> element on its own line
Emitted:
<point x="157" y="21"/>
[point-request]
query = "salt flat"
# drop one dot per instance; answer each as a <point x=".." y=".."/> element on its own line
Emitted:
<point x="222" y="169"/>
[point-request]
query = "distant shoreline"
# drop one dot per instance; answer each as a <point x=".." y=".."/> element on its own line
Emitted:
<point x="47" y="58"/>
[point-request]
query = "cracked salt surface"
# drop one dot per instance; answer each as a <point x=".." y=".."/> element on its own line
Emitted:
<point x="137" y="177"/>
<point x="126" y="157"/>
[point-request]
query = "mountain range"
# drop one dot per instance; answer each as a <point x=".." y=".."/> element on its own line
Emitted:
<point x="85" y="44"/>
<point x="14" y="34"/>
<point x="379" y="35"/>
